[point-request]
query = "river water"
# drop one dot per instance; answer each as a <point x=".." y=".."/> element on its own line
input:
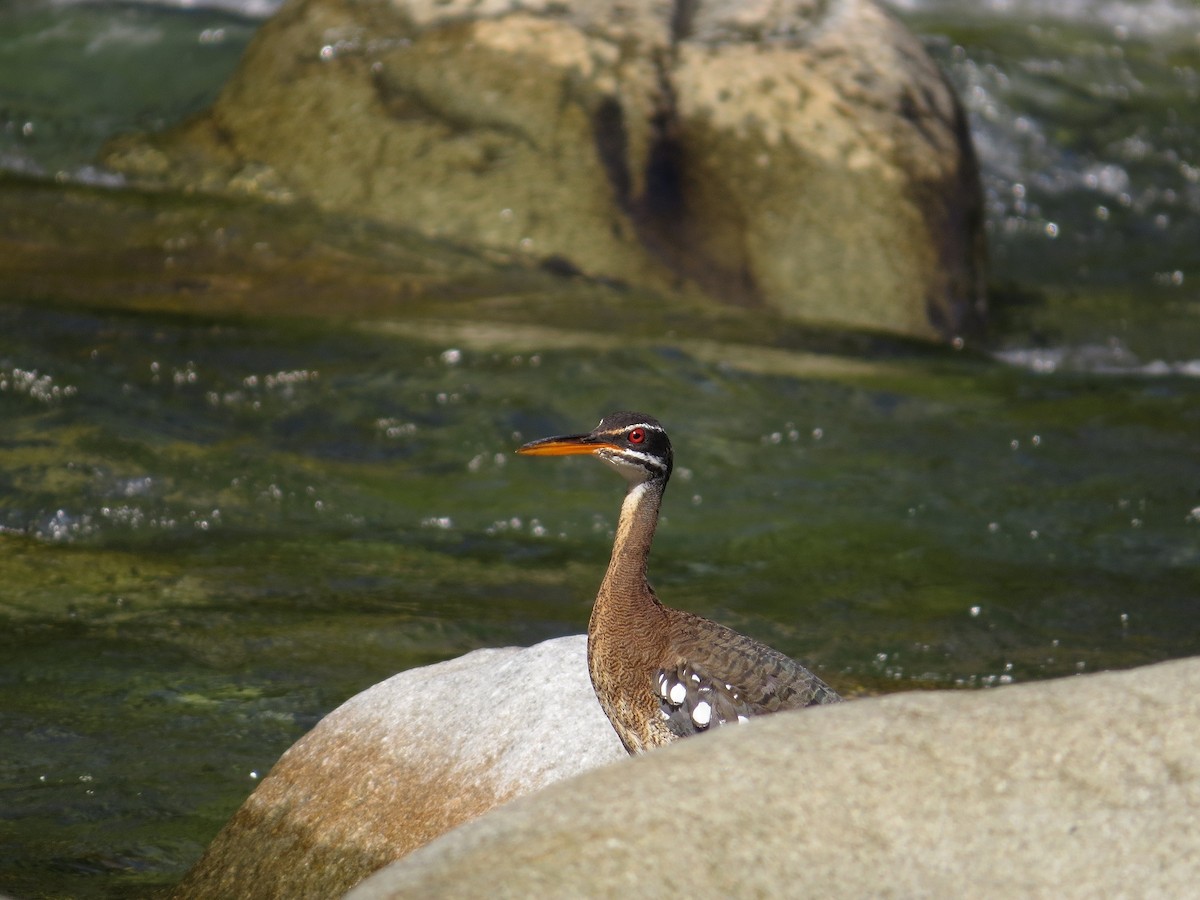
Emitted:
<point x="214" y="528"/>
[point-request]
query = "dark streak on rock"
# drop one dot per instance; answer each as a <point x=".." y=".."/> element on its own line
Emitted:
<point x="955" y="211"/>
<point x="661" y="213"/>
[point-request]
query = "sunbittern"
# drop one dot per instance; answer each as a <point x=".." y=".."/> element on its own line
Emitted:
<point x="660" y="673"/>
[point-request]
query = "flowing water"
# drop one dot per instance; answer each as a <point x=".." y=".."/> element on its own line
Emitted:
<point x="216" y="527"/>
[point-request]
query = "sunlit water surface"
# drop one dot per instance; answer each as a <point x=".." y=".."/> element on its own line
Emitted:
<point x="213" y="534"/>
<point x="214" y="531"/>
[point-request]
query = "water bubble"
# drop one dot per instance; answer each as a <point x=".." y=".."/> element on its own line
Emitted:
<point x="34" y="385"/>
<point x="394" y="428"/>
<point x="975" y="611"/>
<point x="186" y="375"/>
<point x="452" y="356"/>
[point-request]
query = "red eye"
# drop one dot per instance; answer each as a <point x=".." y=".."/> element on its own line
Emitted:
<point x="636" y="436"/>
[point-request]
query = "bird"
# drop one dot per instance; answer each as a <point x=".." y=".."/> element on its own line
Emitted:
<point x="660" y="673"/>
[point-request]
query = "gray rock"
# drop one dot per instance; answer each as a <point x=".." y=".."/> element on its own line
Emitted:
<point x="405" y="761"/>
<point x="800" y="155"/>
<point x="1084" y="787"/>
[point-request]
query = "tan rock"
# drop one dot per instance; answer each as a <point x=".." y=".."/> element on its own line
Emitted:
<point x="1084" y="787"/>
<point x="805" y="157"/>
<point x="403" y="762"/>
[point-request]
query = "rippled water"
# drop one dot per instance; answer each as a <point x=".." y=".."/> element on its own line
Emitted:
<point x="214" y="529"/>
<point x="214" y="533"/>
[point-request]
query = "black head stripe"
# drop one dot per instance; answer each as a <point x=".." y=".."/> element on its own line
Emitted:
<point x="653" y="454"/>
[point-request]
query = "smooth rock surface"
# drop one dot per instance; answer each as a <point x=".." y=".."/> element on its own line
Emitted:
<point x="405" y="761"/>
<point x="1083" y="787"/>
<point x="802" y="156"/>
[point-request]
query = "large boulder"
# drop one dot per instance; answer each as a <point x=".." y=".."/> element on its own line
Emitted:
<point x="403" y="762"/>
<point x="801" y="155"/>
<point x="1084" y="787"/>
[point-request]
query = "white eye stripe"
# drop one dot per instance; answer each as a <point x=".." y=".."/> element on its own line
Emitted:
<point x="645" y="426"/>
<point x="644" y="458"/>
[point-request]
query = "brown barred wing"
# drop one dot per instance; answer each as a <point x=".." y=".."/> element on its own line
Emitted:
<point x="719" y="677"/>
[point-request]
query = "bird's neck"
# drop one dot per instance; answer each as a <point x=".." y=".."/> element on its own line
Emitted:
<point x="624" y="589"/>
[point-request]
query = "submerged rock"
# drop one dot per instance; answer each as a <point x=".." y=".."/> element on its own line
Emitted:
<point x="1083" y="787"/>
<point x="405" y="761"/>
<point x="803" y="156"/>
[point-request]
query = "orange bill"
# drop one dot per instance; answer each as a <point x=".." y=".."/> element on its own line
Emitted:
<point x="567" y="445"/>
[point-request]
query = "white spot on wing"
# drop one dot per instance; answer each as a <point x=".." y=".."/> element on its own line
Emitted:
<point x="702" y="714"/>
<point x="678" y="693"/>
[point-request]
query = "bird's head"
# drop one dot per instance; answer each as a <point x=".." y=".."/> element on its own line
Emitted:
<point x="632" y="443"/>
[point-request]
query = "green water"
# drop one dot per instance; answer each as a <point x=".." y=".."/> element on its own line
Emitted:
<point x="253" y="461"/>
